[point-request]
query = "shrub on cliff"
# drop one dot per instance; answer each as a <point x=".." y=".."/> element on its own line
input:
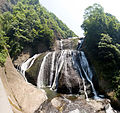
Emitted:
<point x="3" y="39"/>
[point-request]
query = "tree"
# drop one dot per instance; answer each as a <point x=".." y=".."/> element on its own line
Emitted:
<point x="102" y="43"/>
<point x="110" y="54"/>
<point x="30" y="24"/>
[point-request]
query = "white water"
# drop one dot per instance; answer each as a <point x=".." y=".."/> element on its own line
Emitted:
<point x="75" y="64"/>
<point x="80" y="42"/>
<point x="52" y="68"/>
<point x="109" y="109"/>
<point x="86" y="66"/>
<point x="27" y="64"/>
<point x="61" y="62"/>
<point x="87" y="72"/>
<point x="61" y="44"/>
<point x="33" y="59"/>
<point x="40" y="81"/>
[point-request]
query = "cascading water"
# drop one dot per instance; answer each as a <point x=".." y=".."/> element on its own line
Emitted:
<point x="87" y="72"/>
<point x="59" y="64"/>
<point x="65" y="63"/>
<point x="64" y="66"/>
<point x="76" y="66"/>
<point x="66" y="71"/>
<point x="27" y="64"/>
<point x="52" y="68"/>
<point x="40" y="81"/>
<point x="61" y="44"/>
<point x="80" y="42"/>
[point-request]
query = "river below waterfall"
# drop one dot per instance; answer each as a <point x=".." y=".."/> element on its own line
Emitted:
<point x="67" y="78"/>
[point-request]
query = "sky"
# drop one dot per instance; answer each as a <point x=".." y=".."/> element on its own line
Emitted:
<point x="71" y="11"/>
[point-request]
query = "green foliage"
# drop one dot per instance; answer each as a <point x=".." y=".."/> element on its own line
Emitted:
<point x="102" y="42"/>
<point x="116" y="83"/>
<point x="63" y="27"/>
<point x="109" y="55"/>
<point x="3" y="51"/>
<point x="3" y="55"/>
<point x="29" y="24"/>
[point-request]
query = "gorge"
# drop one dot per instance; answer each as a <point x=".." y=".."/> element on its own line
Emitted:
<point x="46" y="68"/>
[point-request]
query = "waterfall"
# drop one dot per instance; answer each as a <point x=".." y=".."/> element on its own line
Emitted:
<point x="66" y="71"/>
<point x="85" y="65"/>
<point x="27" y="64"/>
<point x="87" y="72"/>
<point x="76" y="66"/>
<point x="61" y="44"/>
<point x="33" y="59"/>
<point x="80" y="42"/>
<point x="40" y="81"/>
<point x="109" y="109"/>
<point x="52" y="68"/>
<point x="59" y="64"/>
<point x="66" y="63"/>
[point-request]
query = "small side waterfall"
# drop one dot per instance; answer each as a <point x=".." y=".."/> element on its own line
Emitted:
<point x="61" y="44"/>
<point x="87" y="72"/>
<point x="80" y="42"/>
<point x="27" y="64"/>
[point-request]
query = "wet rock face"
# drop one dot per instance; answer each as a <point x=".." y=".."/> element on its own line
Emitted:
<point x="57" y="71"/>
<point x="60" y="70"/>
<point x="71" y="43"/>
<point x="70" y="84"/>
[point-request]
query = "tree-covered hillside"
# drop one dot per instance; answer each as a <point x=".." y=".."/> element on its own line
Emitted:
<point x="30" y="24"/>
<point x="102" y="44"/>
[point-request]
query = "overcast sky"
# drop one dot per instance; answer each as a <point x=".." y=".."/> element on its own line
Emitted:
<point x="71" y="11"/>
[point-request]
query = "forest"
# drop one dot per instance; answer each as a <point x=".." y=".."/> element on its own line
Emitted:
<point x="29" y="23"/>
<point x="102" y="45"/>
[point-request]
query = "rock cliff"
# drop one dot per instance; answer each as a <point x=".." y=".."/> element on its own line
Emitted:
<point x="23" y="96"/>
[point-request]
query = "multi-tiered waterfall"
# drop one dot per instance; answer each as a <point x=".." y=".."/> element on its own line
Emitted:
<point x="69" y="69"/>
<point x="65" y="70"/>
